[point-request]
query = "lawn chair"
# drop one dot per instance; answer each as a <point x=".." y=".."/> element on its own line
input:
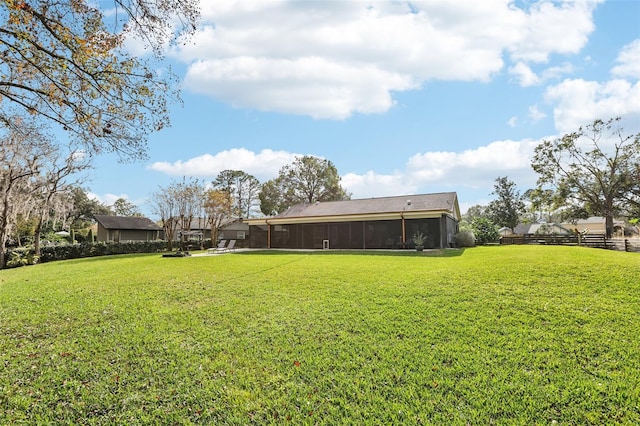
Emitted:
<point x="220" y="247"/>
<point x="231" y="246"/>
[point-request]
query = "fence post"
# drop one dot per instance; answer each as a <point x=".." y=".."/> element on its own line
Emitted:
<point x="626" y="245"/>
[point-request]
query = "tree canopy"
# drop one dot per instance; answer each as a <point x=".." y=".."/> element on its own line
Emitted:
<point x="64" y="62"/>
<point x="596" y="168"/>
<point x="243" y="190"/>
<point x="124" y="207"/>
<point x="307" y="180"/>
<point x="508" y="207"/>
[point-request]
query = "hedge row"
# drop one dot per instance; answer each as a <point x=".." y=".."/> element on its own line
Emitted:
<point x="21" y="256"/>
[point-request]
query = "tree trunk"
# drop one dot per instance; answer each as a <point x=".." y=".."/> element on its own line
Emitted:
<point x="608" y="223"/>
<point x="36" y="241"/>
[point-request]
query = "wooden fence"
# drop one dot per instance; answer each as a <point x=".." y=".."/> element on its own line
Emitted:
<point x="593" y="240"/>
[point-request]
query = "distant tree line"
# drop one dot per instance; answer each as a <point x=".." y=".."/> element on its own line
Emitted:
<point x="235" y="194"/>
<point x="594" y="171"/>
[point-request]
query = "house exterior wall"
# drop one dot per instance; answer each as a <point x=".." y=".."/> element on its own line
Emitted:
<point x="125" y="235"/>
<point x="364" y="234"/>
<point x="233" y="234"/>
<point x="102" y="234"/>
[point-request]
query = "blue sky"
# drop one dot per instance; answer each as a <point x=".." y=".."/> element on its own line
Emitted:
<point x="403" y="97"/>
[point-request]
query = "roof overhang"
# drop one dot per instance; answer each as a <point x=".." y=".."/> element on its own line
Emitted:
<point x="430" y="214"/>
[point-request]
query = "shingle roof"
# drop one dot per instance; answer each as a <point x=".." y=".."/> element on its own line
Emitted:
<point x="445" y="201"/>
<point x="126" y="222"/>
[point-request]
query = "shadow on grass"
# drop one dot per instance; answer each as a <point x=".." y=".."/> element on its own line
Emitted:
<point x="454" y="252"/>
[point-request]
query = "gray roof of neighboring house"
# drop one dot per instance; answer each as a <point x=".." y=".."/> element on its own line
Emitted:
<point x="127" y="222"/>
<point x="445" y="201"/>
<point x="522" y="228"/>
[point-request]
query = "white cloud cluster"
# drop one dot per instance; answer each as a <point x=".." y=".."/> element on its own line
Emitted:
<point x="334" y="59"/>
<point x="447" y="170"/>
<point x="628" y="61"/>
<point x="579" y="101"/>
<point x="525" y="76"/>
<point x="108" y="199"/>
<point x="424" y="172"/>
<point x="263" y="165"/>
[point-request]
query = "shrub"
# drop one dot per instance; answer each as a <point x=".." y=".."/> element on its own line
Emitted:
<point x="25" y="256"/>
<point x="20" y="256"/>
<point x="465" y="239"/>
<point x="485" y="231"/>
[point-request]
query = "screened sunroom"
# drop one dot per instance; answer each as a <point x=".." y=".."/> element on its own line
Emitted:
<point x="373" y="223"/>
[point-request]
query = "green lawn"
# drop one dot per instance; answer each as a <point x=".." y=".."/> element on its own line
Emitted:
<point x="489" y="335"/>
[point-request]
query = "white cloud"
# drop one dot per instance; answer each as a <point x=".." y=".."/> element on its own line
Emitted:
<point x="372" y="184"/>
<point x="524" y="75"/>
<point x="336" y="90"/>
<point x="513" y="121"/>
<point x="579" y="102"/>
<point x="108" y="199"/>
<point x="628" y="61"/>
<point x="334" y="59"/>
<point x="535" y="114"/>
<point x="436" y="171"/>
<point x="432" y="171"/>
<point x="550" y="28"/>
<point x="263" y="165"/>
<point x="495" y="157"/>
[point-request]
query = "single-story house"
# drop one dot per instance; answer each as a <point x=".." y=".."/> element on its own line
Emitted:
<point x="234" y="230"/>
<point x="594" y="225"/>
<point x="117" y="229"/>
<point x="535" y="228"/>
<point x="199" y="230"/>
<point x="372" y="223"/>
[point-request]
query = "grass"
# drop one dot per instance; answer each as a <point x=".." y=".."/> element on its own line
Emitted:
<point x="503" y="335"/>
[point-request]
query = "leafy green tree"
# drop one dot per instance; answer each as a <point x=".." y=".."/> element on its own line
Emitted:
<point x="596" y="168"/>
<point x="272" y="199"/>
<point x="307" y="180"/>
<point x="484" y="230"/>
<point x="507" y="209"/>
<point x="243" y="189"/>
<point x="124" y="207"/>
<point x="473" y="212"/>
<point x="84" y="209"/>
<point x="64" y="62"/>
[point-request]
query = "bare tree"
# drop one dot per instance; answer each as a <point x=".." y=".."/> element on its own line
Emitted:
<point x="217" y="204"/>
<point x="52" y="180"/>
<point x="177" y="205"/>
<point x="23" y="150"/>
<point x="163" y="204"/>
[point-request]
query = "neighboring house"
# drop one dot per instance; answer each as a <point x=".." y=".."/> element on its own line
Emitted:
<point x="199" y="230"/>
<point x="235" y="230"/>
<point x="115" y="229"/>
<point x="373" y="223"/>
<point x="594" y="225"/>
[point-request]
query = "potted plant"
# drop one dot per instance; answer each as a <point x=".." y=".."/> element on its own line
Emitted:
<point x="418" y="240"/>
